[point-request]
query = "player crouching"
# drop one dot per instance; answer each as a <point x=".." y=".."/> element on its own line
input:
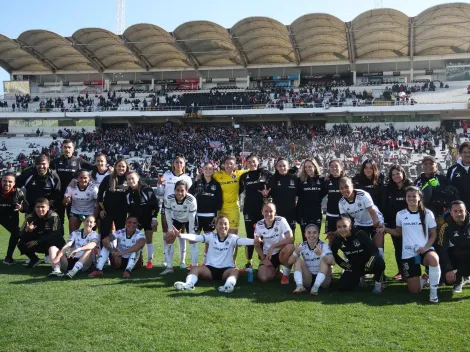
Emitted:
<point x="128" y="252"/>
<point x="219" y="259"/>
<point x="316" y="263"/>
<point x="82" y="243"/>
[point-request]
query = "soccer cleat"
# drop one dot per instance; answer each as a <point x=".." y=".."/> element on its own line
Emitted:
<point x="56" y="273"/>
<point x="167" y="271"/>
<point x="285" y="280"/>
<point x="26" y="262"/>
<point x="183" y="286"/>
<point x="378" y="288"/>
<point x="126" y="274"/>
<point x="96" y="273"/>
<point x="298" y="290"/>
<point x="433" y="297"/>
<point x="47" y="259"/>
<point x="70" y="274"/>
<point x="183" y="266"/>
<point x="226" y="288"/>
<point x="9" y="261"/>
<point x="162" y="265"/>
<point x="424" y="281"/>
<point x="397" y="277"/>
<point x="33" y="263"/>
<point x="149" y="265"/>
<point x="458" y="288"/>
<point x="314" y="291"/>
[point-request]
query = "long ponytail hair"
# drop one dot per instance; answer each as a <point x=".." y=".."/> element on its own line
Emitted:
<point x="421" y="207"/>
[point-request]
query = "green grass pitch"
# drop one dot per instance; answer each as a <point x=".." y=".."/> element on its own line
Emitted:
<point x="146" y="313"/>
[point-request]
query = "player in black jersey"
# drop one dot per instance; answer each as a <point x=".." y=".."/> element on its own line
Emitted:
<point x="394" y="200"/>
<point x="369" y="179"/>
<point x="334" y="195"/>
<point x="361" y="254"/>
<point x="208" y="194"/>
<point x="283" y="188"/>
<point x="253" y="183"/>
<point x="143" y="204"/>
<point x="67" y="165"/>
<point x="12" y="201"/>
<point x="312" y="190"/>
<point x="112" y="198"/>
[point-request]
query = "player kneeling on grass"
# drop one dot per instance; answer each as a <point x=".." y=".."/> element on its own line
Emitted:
<point x="275" y="245"/>
<point x="128" y="253"/>
<point x="219" y="259"/>
<point x="315" y="264"/>
<point x="82" y="243"/>
<point x="361" y="254"/>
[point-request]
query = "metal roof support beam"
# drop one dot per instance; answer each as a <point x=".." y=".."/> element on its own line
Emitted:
<point x="350" y="40"/>
<point x="82" y="49"/>
<point x="37" y="55"/>
<point x="184" y="48"/>
<point x="142" y="60"/>
<point x="411" y="38"/>
<point x="294" y="46"/>
<point x="240" y="51"/>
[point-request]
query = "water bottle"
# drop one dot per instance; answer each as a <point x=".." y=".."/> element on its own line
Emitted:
<point x="250" y="274"/>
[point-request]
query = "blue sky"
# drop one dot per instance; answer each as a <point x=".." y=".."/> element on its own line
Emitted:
<point x="65" y="17"/>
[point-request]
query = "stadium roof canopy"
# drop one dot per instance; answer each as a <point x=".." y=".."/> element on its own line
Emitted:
<point x="252" y="42"/>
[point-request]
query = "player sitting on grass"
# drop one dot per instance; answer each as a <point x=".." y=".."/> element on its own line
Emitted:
<point x="315" y="265"/>
<point x="128" y="252"/>
<point x="219" y="260"/>
<point x="82" y="243"/>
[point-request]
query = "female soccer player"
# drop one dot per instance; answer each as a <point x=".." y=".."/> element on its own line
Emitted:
<point x="334" y="195"/>
<point x="312" y="190"/>
<point x="370" y="180"/>
<point x="143" y="204"/>
<point x="359" y="205"/>
<point x="394" y="201"/>
<point x="361" y="254"/>
<point x="128" y="253"/>
<point x="101" y="169"/>
<point x="283" y="189"/>
<point x="277" y="238"/>
<point x="252" y="183"/>
<point x="82" y="198"/>
<point x="229" y="182"/>
<point x="180" y="212"/>
<point x="82" y="243"/>
<point x="315" y="265"/>
<point x="219" y="261"/>
<point x="208" y="194"/>
<point x="418" y="227"/>
<point x="112" y="198"/>
<point x="165" y="188"/>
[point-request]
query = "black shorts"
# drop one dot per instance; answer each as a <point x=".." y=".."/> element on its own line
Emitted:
<point x="180" y="226"/>
<point x="205" y="224"/>
<point x="330" y="223"/>
<point x="217" y="273"/>
<point x="370" y="230"/>
<point x="145" y="225"/>
<point x="411" y="267"/>
<point x="274" y="261"/>
<point x="120" y="263"/>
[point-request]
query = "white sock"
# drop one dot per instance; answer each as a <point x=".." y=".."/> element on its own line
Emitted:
<point x="56" y="267"/>
<point x="132" y="261"/>
<point x="434" y="277"/>
<point x="182" y="250"/>
<point x="298" y="278"/>
<point x="231" y="281"/>
<point x="194" y="249"/>
<point x="286" y="271"/>
<point x="319" y="280"/>
<point x="169" y="252"/>
<point x="77" y="267"/>
<point x="191" y="279"/>
<point x="381" y="252"/>
<point x="150" y="250"/>
<point x="103" y="258"/>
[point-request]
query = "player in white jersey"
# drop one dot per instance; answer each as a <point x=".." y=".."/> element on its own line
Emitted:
<point x="277" y="244"/>
<point x="313" y="261"/>
<point x="166" y="187"/>
<point x="418" y="227"/>
<point x="101" y="169"/>
<point x="82" y="198"/>
<point x="128" y="252"/>
<point x="359" y="205"/>
<point x="82" y="243"/>
<point x="180" y="212"/>
<point x="219" y="260"/>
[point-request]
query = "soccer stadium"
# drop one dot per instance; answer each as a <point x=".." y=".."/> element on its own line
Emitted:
<point x="279" y="186"/>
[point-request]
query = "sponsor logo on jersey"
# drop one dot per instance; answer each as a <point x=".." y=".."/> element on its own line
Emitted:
<point x="74" y="163"/>
<point x="359" y="205"/>
<point x="457" y="174"/>
<point x="356" y="243"/>
<point x="213" y="187"/>
<point x="234" y="177"/>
